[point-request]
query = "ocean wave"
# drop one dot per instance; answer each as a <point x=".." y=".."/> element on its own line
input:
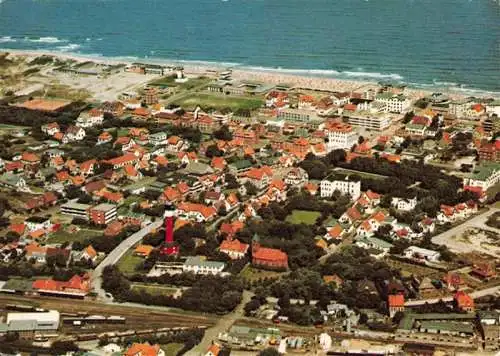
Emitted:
<point x="315" y="72"/>
<point x="373" y="75"/>
<point x="45" y="40"/>
<point x="68" y="48"/>
<point x="6" y="39"/>
<point x="452" y="84"/>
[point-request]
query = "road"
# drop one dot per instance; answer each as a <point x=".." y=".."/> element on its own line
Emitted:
<point x="447" y="238"/>
<point x="222" y="325"/>
<point x="474" y="295"/>
<point x="114" y="256"/>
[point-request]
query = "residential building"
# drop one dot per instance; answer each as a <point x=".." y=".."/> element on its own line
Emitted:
<point x="404" y="204"/>
<point x="34" y="223"/>
<point x="395" y="303"/>
<point x="144" y="350"/>
<point x="420" y="253"/>
<point x="13" y="181"/>
<point x="340" y="136"/>
<point x="76" y="209"/>
<point x="90" y="118"/>
<point x="102" y="214"/>
<point x="298" y="115"/>
<point x="73" y="133"/>
<point x="485" y="176"/>
<point x="377" y="123"/>
<point x="489" y="152"/>
<point x="197" y="212"/>
<point x="296" y="177"/>
<point x="151" y="96"/>
<point x="159" y="138"/>
<point x="393" y="103"/>
<point x="327" y="188"/>
<point x="464" y="301"/>
<point x="234" y="248"/>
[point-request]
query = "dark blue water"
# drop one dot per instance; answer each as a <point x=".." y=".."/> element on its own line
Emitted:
<point x="428" y="42"/>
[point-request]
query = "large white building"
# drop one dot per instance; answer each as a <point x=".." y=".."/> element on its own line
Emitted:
<point x="377" y="123"/>
<point x="394" y="103"/>
<point x="198" y="265"/>
<point x="327" y="188"/>
<point x="485" y="176"/>
<point x="340" y="136"/>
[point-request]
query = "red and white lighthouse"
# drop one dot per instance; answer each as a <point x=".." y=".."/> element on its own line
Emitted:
<point x="170" y="248"/>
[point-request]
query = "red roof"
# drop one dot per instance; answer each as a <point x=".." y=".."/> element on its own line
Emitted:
<point x="233" y="245"/>
<point x="18" y="228"/>
<point x="269" y="254"/>
<point x="396" y="301"/>
<point x="76" y="283"/>
<point x="142" y="350"/>
<point x="463" y="300"/>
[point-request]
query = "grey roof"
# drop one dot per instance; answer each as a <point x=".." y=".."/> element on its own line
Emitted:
<point x="10" y="178"/>
<point x="198" y="261"/>
<point x="197" y="168"/>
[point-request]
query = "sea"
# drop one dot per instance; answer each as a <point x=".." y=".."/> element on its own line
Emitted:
<point x="423" y="43"/>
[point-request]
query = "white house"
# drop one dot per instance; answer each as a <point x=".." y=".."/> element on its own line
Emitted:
<point x="37" y="223"/>
<point x="485" y="176"/>
<point x="296" y="177"/>
<point x="327" y="188"/>
<point x="422" y="254"/>
<point x="157" y="139"/>
<point x="340" y="136"/>
<point x="198" y="265"/>
<point x="393" y="103"/>
<point x="90" y="118"/>
<point x="404" y="204"/>
<point x="73" y="133"/>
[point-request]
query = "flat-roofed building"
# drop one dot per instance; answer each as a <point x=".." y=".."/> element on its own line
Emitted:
<point x="76" y="209"/>
<point x="377" y="123"/>
<point x="103" y="214"/>
<point x="299" y="115"/>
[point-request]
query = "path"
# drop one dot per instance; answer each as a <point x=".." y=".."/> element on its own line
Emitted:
<point x="223" y="324"/>
<point x="114" y="256"/>
<point x="447" y="238"/>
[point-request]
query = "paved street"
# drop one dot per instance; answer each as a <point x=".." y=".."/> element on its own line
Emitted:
<point x="447" y="238"/>
<point x="117" y="253"/>
<point x="223" y="324"/>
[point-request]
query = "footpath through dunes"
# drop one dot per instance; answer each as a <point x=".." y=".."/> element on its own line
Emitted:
<point x="136" y="317"/>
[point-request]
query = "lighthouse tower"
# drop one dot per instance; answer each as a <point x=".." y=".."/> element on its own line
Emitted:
<point x="170" y="248"/>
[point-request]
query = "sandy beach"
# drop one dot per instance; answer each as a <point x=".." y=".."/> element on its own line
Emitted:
<point x="271" y="76"/>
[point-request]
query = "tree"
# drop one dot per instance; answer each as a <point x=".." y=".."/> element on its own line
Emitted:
<point x="62" y="347"/>
<point x="223" y="134"/>
<point x="251" y="188"/>
<point x="231" y="181"/>
<point x="213" y="151"/>
<point x="270" y="351"/>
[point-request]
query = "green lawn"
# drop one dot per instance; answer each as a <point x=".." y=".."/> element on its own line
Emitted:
<point x="63" y="236"/>
<point x="19" y="284"/>
<point x="251" y="274"/>
<point x="169" y="81"/>
<point x="219" y="102"/>
<point x="303" y="217"/>
<point x="172" y="349"/>
<point x="155" y="289"/>
<point x="129" y="262"/>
